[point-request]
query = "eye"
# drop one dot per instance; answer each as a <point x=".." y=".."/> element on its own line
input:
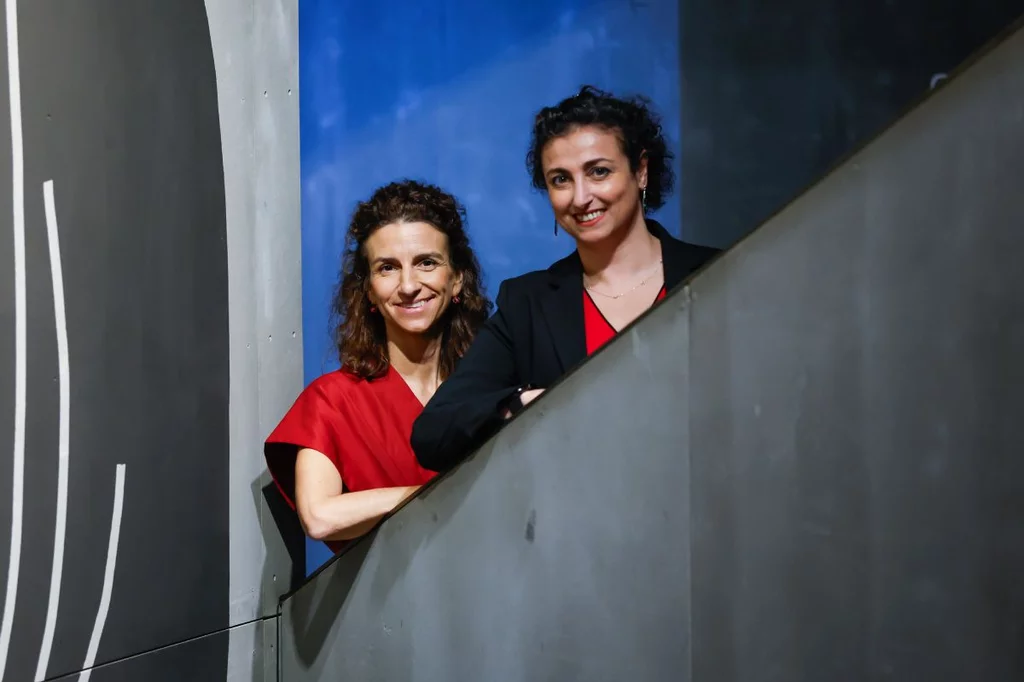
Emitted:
<point x="428" y="263"/>
<point x="557" y="180"/>
<point x="599" y="172"/>
<point x="385" y="268"/>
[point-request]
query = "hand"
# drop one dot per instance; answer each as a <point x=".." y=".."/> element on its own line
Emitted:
<point x="526" y="397"/>
<point x="529" y="396"/>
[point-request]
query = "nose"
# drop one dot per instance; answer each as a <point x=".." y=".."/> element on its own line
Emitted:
<point x="409" y="285"/>
<point x="581" y="194"/>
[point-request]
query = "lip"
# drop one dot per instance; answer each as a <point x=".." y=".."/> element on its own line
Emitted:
<point x="591" y="222"/>
<point x="414" y="308"/>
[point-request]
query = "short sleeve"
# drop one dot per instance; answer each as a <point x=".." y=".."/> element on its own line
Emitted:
<point x="311" y="422"/>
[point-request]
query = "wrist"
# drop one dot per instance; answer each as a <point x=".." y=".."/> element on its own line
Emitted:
<point x="513" y="404"/>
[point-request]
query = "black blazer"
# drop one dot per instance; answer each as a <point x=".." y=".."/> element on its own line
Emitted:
<point x="535" y="336"/>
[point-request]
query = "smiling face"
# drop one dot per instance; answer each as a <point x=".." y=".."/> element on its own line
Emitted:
<point x="411" y="281"/>
<point x="592" y="189"/>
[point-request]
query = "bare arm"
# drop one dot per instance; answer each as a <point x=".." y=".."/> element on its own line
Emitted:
<point x="326" y="512"/>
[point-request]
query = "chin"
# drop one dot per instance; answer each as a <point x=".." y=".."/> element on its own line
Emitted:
<point x="595" y="234"/>
<point x="421" y="327"/>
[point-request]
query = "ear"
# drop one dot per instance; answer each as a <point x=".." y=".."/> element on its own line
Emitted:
<point x="457" y="286"/>
<point x="641" y="170"/>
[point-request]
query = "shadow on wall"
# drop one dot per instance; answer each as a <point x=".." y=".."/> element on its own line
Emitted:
<point x="451" y="102"/>
<point x="286" y="524"/>
<point x="318" y="609"/>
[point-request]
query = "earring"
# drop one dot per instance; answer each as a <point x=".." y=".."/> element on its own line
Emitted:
<point x="373" y="308"/>
<point x="455" y="299"/>
<point x="556" y="228"/>
<point x="643" y="198"/>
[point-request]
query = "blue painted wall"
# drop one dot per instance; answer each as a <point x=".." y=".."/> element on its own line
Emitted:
<point x="445" y="91"/>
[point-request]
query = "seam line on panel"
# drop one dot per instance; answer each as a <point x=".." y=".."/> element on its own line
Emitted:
<point x="187" y="640"/>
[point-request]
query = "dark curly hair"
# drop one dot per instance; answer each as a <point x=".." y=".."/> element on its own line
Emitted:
<point x="633" y="120"/>
<point x="359" y="334"/>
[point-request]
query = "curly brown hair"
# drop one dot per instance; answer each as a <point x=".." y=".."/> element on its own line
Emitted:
<point x="633" y="119"/>
<point x="359" y="334"/>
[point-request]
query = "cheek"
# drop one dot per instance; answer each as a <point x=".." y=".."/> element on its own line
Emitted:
<point x="613" y="192"/>
<point x="560" y="198"/>
<point x="440" y="281"/>
<point x="380" y="289"/>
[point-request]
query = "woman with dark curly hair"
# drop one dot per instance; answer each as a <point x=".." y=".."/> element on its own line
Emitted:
<point x="604" y="164"/>
<point x="409" y="303"/>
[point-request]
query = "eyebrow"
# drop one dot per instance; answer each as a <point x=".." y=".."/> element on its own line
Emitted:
<point x="586" y="166"/>
<point x="420" y="256"/>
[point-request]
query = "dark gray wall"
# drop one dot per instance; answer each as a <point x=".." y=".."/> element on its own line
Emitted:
<point x="194" y="660"/>
<point x="856" y="387"/>
<point x="119" y="106"/>
<point x="803" y="466"/>
<point x="170" y="133"/>
<point x="773" y="94"/>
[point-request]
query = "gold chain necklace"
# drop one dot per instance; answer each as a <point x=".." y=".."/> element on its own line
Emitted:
<point x="628" y="291"/>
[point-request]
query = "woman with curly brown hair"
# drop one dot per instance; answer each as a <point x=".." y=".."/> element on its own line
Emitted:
<point x="409" y="303"/>
<point x="603" y="162"/>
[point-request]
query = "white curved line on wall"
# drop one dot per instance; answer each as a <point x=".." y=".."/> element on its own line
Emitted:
<point x="63" y="448"/>
<point x="18" y="203"/>
<point x="108" y="577"/>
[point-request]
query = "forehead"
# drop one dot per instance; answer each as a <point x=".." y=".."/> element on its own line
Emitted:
<point x="405" y="240"/>
<point x="580" y="146"/>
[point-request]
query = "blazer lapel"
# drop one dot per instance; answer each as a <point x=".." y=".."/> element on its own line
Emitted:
<point x="678" y="258"/>
<point x="562" y="307"/>
<point x="562" y="303"/>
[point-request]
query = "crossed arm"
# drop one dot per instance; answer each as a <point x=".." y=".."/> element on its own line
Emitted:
<point x="327" y="512"/>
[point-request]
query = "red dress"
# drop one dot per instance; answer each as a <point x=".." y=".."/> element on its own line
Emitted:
<point x="362" y="426"/>
<point x="597" y="328"/>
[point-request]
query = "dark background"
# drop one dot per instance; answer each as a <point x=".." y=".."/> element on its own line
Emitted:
<point x="773" y="94"/>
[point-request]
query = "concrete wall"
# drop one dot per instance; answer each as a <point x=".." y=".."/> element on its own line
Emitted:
<point x="804" y="465"/>
<point x="150" y="317"/>
<point x="255" y="45"/>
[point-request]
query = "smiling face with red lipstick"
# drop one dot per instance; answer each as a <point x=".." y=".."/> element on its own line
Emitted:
<point x="412" y="282"/>
<point x="594" y="192"/>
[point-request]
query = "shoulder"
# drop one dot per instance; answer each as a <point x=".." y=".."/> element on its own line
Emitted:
<point x="334" y="386"/>
<point x="538" y="281"/>
<point x="338" y="380"/>
<point x="684" y="256"/>
<point x="322" y="407"/>
<point x="695" y="251"/>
